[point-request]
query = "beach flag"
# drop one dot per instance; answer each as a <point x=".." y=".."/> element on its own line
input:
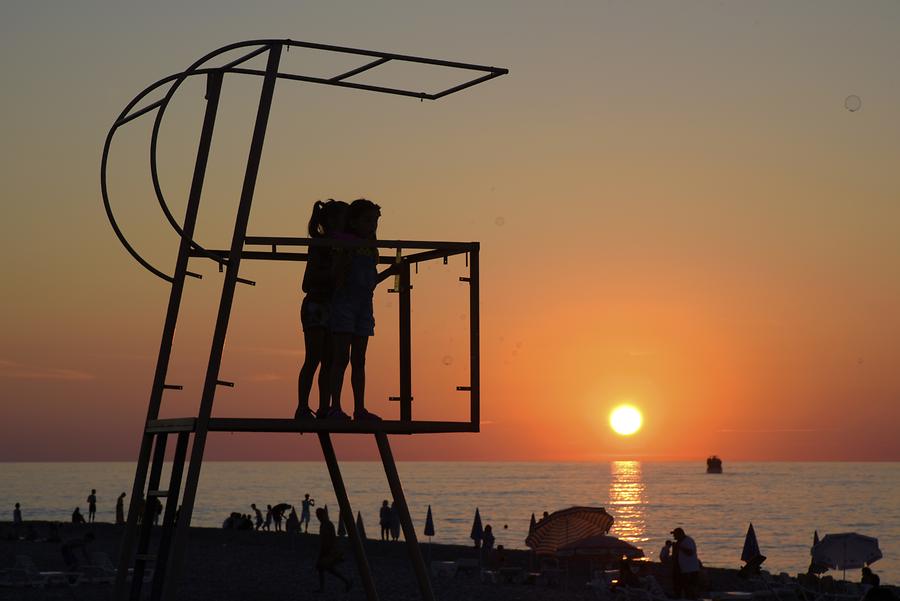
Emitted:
<point x="477" y="531"/>
<point x="532" y="525"/>
<point x="751" y="546"/>
<point x="360" y="529"/>
<point x="342" y="529"/>
<point x="429" y="524"/>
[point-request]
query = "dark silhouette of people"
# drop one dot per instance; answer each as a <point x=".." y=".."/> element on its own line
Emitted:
<point x="76" y="549"/>
<point x="268" y="518"/>
<point x="17" y="520"/>
<point x="92" y="505"/>
<point x="665" y="554"/>
<point x="77" y="516"/>
<point x="487" y="543"/>
<point x="120" y="509"/>
<point x="305" y="506"/>
<point x="395" y="521"/>
<point x="384" y="520"/>
<point x="315" y="311"/>
<point x="685" y="566"/>
<point x="259" y="516"/>
<point x="277" y="515"/>
<point x="329" y="554"/>
<point x="156" y="509"/>
<point x="352" y="313"/>
<point x="869" y="577"/>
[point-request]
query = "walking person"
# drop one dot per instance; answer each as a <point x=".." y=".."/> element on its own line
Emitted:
<point x="329" y="554"/>
<point x="259" y="517"/>
<point x="92" y="505"/>
<point x="268" y="518"/>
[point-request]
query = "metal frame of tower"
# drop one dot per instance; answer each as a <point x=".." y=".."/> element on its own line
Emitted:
<point x="168" y="557"/>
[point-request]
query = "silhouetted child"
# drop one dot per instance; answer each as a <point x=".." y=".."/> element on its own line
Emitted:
<point x="17" y="520"/>
<point x="315" y="310"/>
<point x="268" y="518"/>
<point x="352" y="313"/>
<point x="259" y="517"/>
<point x="329" y="554"/>
<point x="92" y="505"/>
<point x="120" y="509"/>
<point x="77" y="517"/>
<point x="305" y="504"/>
<point x="384" y="519"/>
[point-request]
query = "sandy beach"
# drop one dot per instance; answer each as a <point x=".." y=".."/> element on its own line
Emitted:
<point x="237" y="565"/>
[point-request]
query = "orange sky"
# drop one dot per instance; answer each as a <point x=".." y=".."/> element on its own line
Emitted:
<point x="674" y="206"/>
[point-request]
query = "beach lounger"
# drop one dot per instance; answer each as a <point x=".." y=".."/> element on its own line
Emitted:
<point x="467" y="565"/>
<point x="35" y="577"/>
<point x="443" y="569"/>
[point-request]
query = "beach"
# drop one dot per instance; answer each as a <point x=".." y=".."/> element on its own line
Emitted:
<point x="237" y="565"/>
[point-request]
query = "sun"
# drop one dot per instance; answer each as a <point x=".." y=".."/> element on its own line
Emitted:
<point x="625" y="420"/>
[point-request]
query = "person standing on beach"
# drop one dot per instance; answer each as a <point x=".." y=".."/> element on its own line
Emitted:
<point x="268" y="518"/>
<point x="685" y="566"/>
<point x="305" y="505"/>
<point x="395" y="521"/>
<point x="329" y="554"/>
<point x="92" y="505"/>
<point x="120" y="509"/>
<point x="384" y="520"/>
<point x="17" y="520"/>
<point x="259" y="517"/>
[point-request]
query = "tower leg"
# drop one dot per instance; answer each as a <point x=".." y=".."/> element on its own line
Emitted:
<point x="409" y="532"/>
<point x="335" y="471"/>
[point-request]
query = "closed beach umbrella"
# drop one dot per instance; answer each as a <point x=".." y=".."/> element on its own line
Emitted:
<point x="606" y="548"/>
<point x="847" y="550"/>
<point x="429" y="524"/>
<point x="532" y="525"/>
<point x="751" y="546"/>
<point x="814" y="566"/>
<point x="477" y="531"/>
<point x="567" y="526"/>
<point x="342" y="529"/>
<point x="360" y="529"/>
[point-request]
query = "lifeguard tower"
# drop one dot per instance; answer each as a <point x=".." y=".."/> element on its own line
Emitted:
<point x="162" y="553"/>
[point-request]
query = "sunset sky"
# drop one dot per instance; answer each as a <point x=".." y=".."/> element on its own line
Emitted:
<point x="675" y="208"/>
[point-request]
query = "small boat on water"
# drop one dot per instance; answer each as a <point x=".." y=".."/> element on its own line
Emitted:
<point x="713" y="465"/>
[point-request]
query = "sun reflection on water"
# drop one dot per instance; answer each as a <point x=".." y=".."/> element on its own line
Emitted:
<point x="626" y="501"/>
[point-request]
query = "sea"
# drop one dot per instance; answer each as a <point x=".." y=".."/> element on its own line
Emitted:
<point x="786" y="502"/>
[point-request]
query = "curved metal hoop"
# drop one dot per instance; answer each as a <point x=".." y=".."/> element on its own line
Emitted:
<point x="262" y="46"/>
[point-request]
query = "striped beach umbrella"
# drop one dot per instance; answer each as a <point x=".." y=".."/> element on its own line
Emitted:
<point x="566" y="526"/>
